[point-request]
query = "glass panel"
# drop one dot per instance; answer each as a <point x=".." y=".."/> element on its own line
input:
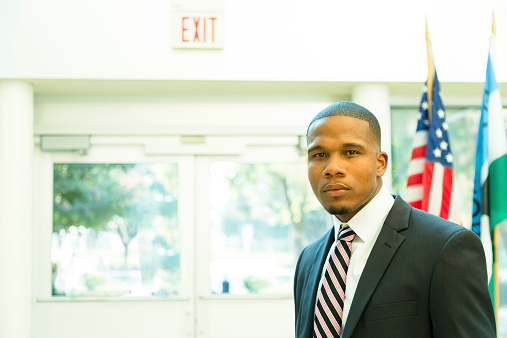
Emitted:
<point x="262" y="216"/>
<point x="115" y="230"/>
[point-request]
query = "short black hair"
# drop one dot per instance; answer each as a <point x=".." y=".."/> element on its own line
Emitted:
<point x="350" y="109"/>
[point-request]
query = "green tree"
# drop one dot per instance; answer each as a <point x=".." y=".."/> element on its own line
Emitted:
<point x="120" y="197"/>
<point x="87" y="195"/>
<point x="274" y="195"/>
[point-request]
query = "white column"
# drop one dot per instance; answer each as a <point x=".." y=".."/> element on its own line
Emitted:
<point x="16" y="170"/>
<point x="375" y="98"/>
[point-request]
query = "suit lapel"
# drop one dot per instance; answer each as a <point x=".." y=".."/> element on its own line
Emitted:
<point x="312" y="283"/>
<point x="381" y="254"/>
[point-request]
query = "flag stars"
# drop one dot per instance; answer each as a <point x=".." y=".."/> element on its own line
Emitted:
<point x="419" y="116"/>
<point x="449" y="158"/>
<point x="427" y="122"/>
<point x="424" y="105"/>
<point x="425" y="89"/>
<point x="438" y="132"/>
<point x="444" y="145"/>
<point x="437" y="152"/>
<point x="445" y="126"/>
<point x="441" y="113"/>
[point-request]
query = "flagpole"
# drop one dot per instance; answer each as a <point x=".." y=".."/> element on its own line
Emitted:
<point x="493" y="28"/>
<point x="495" y="274"/>
<point x="492" y="45"/>
<point x="429" y="82"/>
<point x="496" y="284"/>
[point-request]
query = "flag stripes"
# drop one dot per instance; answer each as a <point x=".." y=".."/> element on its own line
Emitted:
<point x="431" y="184"/>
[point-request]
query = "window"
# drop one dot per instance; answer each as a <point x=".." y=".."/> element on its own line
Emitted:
<point x="262" y="215"/>
<point x="115" y="230"/>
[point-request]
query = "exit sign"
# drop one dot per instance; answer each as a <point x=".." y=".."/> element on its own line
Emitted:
<point x="195" y="29"/>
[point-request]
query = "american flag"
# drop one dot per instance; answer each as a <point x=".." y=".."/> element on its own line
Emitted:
<point x="431" y="185"/>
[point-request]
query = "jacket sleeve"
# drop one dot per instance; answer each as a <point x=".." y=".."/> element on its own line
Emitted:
<point x="460" y="305"/>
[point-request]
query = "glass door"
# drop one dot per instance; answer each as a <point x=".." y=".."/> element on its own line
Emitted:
<point x="256" y="213"/>
<point x="113" y="244"/>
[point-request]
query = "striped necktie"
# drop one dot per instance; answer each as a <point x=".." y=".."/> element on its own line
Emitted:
<point x="329" y="309"/>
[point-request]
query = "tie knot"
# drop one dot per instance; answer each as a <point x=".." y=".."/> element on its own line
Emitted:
<point x="346" y="234"/>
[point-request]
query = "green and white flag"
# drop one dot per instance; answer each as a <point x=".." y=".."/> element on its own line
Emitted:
<point x="490" y="181"/>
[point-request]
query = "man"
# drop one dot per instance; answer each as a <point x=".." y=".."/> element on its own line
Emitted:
<point x="396" y="271"/>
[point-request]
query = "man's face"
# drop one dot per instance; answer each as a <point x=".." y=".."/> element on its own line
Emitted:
<point x="344" y="164"/>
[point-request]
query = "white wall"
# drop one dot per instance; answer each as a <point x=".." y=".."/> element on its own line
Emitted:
<point x="16" y="156"/>
<point x="324" y="40"/>
<point x="176" y="114"/>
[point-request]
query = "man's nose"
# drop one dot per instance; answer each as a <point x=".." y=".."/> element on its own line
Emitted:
<point x="334" y="167"/>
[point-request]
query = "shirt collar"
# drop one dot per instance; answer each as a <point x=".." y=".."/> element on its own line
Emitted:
<point x="369" y="218"/>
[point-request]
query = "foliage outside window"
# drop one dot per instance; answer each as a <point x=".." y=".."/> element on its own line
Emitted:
<point x="262" y="216"/>
<point x="115" y="230"/>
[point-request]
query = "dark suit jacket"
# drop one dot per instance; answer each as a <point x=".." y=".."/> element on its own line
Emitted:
<point x="425" y="277"/>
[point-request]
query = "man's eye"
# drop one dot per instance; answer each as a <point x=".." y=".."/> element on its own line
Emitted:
<point x="319" y="155"/>
<point x="351" y="152"/>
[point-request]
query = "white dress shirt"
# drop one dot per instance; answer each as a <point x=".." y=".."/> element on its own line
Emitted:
<point x="366" y="224"/>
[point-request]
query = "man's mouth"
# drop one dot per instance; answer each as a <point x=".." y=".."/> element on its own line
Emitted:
<point x="335" y="190"/>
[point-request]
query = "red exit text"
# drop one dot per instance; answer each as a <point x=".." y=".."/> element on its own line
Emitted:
<point x="198" y="29"/>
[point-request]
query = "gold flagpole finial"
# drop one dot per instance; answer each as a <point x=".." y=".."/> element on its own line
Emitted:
<point x="427" y="31"/>
<point x="431" y="69"/>
<point x="493" y="28"/>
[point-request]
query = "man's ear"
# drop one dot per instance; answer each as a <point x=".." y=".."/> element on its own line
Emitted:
<point x="382" y="160"/>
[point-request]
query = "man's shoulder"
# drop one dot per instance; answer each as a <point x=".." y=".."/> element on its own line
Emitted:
<point x="315" y="245"/>
<point x="416" y="216"/>
<point x="407" y="219"/>
<point x="433" y="222"/>
<point x="434" y="227"/>
<point x="311" y="257"/>
<point x="313" y="248"/>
